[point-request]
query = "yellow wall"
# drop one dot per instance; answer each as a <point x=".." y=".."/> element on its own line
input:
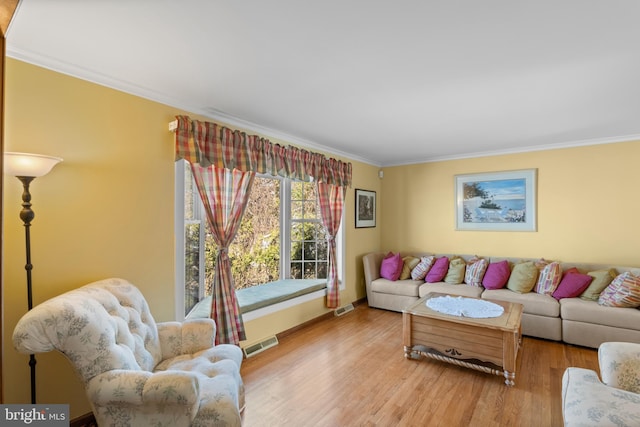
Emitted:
<point x="587" y="206"/>
<point x="107" y="210"/>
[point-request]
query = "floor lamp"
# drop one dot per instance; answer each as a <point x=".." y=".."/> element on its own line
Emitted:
<point x="26" y="167"/>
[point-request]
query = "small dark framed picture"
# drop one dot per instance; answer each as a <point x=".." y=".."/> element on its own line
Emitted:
<point x="365" y="208"/>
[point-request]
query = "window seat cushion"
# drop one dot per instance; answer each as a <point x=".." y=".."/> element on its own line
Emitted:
<point x="260" y="296"/>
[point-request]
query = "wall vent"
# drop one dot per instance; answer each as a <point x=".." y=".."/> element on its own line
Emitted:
<point x="254" y="349"/>
<point x="343" y="310"/>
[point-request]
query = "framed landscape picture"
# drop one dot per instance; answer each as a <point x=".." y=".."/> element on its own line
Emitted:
<point x="365" y="208"/>
<point x="497" y="201"/>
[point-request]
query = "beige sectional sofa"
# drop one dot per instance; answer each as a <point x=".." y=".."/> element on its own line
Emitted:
<point x="572" y="320"/>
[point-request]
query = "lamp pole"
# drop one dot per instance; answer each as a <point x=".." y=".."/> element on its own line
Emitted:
<point x="26" y="167"/>
<point x="27" y="215"/>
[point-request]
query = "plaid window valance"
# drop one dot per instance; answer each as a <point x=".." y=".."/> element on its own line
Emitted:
<point x="208" y="143"/>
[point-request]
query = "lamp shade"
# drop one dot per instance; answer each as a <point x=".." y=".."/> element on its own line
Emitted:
<point x="26" y="164"/>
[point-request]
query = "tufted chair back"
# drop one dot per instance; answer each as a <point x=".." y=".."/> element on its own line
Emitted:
<point x="100" y="327"/>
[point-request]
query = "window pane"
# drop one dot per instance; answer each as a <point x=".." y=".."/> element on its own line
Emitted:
<point x="309" y="251"/>
<point x="297" y="190"/>
<point x="310" y="209"/>
<point x="192" y="265"/>
<point x="319" y="231"/>
<point x="296" y="210"/>
<point x="296" y="251"/>
<point x="322" y="253"/>
<point x="322" y="270"/>
<point x="297" y="231"/>
<point x="296" y="270"/>
<point x="310" y="231"/>
<point x="309" y="270"/>
<point x="191" y="195"/>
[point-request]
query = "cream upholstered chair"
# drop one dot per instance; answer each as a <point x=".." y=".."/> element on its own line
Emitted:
<point x="586" y="401"/>
<point x="137" y="372"/>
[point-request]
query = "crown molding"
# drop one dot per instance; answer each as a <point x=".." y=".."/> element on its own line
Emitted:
<point x="528" y="149"/>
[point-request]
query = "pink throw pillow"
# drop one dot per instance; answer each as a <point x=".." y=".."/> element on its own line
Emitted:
<point x="438" y="270"/>
<point x="497" y="275"/>
<point x="573" y="283"/>
<point x="391" y="266"/>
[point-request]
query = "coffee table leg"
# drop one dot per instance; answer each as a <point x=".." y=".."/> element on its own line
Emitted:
<point x="411" y="353"/>
<point x="509" y="378"/>
<point x="509" y="356"/>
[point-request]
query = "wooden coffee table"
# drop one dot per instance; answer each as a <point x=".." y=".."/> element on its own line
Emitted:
<point x="489" y="345"/>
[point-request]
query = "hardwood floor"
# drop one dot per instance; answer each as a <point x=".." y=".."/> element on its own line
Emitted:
<point x="351" y="371"/>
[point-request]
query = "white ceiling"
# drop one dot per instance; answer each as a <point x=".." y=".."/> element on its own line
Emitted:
<point x="386" y="82"/>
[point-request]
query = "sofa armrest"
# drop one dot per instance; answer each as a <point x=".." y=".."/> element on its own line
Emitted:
<point x="371" y="263"/>
<point x="620" y="365"/>
<point x="588" y="402"/>
<point x="121" y="386"/>
<point x="188" y="337"/>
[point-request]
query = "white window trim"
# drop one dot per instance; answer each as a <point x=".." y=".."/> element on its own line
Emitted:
<point x="286" y="240"/>
<point x="179" y="239"/>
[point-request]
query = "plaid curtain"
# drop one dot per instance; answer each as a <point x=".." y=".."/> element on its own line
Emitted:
<point x="208" y="143"/>
<point x="331" y="202"/>
<point x="224" y="194"/>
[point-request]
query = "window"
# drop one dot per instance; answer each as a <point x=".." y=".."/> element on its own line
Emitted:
<point x="309" y="255"/>
<point x="281" y="236"/>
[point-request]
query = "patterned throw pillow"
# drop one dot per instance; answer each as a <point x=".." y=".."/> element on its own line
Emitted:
<point x="476" y="267"/>
<point x="438" y="270"/>
<point x="419" y="272"/>
<point x="549" y="278"/>
<point x="542" y="263"/>
<point x="624" y="291"/>
<point x="455" y="273"/>
<point x="391" y="266"/>
<point x="409" y="263"/>
<point x="523" y="277"/>
<point x="601" y="279"/>
<point x="628" y="375"/>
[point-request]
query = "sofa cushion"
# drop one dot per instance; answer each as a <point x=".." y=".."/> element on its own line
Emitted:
<point x="420" y="271"/>
<point x="497" y="275"/>
<point x="408" y="264"/>
<point x="476" y="268"/>
<point x="438" y="270"/>
<point x="624" y="291"/>
<point x="523" y="277"/>
<point x="455" y="273"/>
<point x="538" y="304"/>
<point x="579" y="310"/>
<point x="549" y="278"/>
<point x="449" y="289"/>
<point x="572" y="285"/>
<point x="391" y="266"/>
<point x="407" y="288"/>
<point x="601" y="279"/>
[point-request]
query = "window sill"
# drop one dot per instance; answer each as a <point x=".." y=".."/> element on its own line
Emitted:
<point x="261" y="300"/>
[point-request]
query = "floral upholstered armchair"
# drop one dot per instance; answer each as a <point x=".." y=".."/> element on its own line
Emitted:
<point x="586" y="401"/>
<point x="137" y="372"/>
